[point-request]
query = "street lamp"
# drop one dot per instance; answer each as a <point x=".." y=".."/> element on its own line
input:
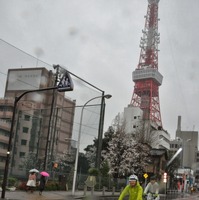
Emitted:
<point x="107" y="96"/>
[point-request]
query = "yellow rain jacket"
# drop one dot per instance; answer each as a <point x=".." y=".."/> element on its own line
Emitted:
<point x="135" y="193"/>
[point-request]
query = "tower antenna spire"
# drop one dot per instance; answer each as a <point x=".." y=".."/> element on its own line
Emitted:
<point x="146" y="76"/>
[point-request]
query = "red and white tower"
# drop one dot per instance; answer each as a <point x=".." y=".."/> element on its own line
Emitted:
<point x="147" y="78"/>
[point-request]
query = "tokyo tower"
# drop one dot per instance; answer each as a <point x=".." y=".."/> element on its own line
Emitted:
<point x="146" y="76"/>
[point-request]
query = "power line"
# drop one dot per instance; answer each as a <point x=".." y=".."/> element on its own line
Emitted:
<point x="24" y="52"/>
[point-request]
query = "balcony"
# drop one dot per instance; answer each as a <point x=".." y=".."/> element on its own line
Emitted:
<point x="3" y="139"/>
<point x="147" y="73"/>
<point x="3" y="152"/>
<point x="6" y="114"/>
<point x="7" y="102"/>
<point x="4" y="125"/>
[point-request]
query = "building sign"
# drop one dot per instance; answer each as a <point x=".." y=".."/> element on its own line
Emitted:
<point x="24" y="79"/>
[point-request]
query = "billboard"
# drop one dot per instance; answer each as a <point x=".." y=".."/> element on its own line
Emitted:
<point x="24" y="79"/>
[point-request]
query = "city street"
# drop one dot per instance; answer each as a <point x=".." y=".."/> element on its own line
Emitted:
<point x="63" y="195"/>
<point x="51" y="195"/>
<point x="189" y="197"/>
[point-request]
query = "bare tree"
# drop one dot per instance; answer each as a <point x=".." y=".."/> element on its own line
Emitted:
<point x="144" y="133"/>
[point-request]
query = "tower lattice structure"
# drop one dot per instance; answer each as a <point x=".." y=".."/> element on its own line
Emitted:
<point x="146" y="76"/>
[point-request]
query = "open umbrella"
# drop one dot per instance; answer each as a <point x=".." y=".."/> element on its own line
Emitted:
<point x="34" y="170"/>
<point x="43" y="173"/>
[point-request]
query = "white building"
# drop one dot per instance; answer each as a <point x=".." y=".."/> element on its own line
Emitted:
<point x="133" y="119"/>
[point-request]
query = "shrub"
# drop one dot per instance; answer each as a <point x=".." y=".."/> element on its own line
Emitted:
<point x="93" y="172"/>
<point x="22" y="185"/>
<point x="52" y="185"/>
<point x="12" y="181"/>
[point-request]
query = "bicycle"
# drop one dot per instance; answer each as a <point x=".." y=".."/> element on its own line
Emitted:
<point x="151" y="196"/>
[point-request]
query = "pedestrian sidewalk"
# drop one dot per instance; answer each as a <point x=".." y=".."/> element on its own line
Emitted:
<point x="47" y="195"/>
<point x="50" y="195"/>
<point x="67" y="195"/>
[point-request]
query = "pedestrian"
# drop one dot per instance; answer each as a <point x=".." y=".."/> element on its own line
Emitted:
<point x="133" y="189"/>
<point x="152" y="188"/>
<point x="31" y="184"/>
<point x="42" y="184"/>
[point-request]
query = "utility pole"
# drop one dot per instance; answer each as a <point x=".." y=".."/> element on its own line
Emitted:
<point x="50" y="126"/>
<point x="100" y="133"/>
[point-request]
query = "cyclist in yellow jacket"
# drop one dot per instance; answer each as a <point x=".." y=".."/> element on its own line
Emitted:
<point x="133" y="189"/>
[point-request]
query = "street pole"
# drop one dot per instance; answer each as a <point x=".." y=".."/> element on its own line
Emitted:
<point x="78" y="140"/>
<point x="50" y="126"/>
<point x="100" y="133"/>
<point x="4" y="183"/>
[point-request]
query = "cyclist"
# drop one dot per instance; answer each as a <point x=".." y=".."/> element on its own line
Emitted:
<point x="133" y="189"/>
<point x="152" y="188"/>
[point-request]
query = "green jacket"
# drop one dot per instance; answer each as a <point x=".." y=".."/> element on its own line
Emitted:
<point x="135" y="193"/>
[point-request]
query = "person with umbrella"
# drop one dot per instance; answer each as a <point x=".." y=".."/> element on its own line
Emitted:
<point x="43" y="181"/>
<point x="31" y="184"/>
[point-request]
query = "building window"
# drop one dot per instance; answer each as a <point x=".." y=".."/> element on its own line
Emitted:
<point x="22" y="154"/>
<point x="21" y="167"/>
<point x="26" y="117"/>
<point x="135" y="117"/>
<point x="23" y="142"/>
<point x="3" y="145"/>
<point x="25" y="129"/>
<point x="134" y="126"/>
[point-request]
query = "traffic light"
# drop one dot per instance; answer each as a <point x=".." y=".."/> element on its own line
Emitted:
<point x="165" y="177"/>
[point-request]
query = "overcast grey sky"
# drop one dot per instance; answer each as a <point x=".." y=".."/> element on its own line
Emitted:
<point x="99" y="41"/>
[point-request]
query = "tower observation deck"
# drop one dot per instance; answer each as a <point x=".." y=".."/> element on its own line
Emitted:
<point x="146" y="76"/>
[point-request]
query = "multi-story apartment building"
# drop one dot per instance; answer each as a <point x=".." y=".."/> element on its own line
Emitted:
<point x="189" y="144"/>
<point x="43" y="120"/>
<point x="5" y="119"/>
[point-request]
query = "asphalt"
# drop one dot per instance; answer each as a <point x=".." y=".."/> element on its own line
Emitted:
<point x="67" y="195"/>
<point x="53" y="195"/>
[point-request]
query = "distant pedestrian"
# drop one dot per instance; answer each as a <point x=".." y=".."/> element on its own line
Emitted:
<point x="31" y="184"/>
<point x="42" y="184"/>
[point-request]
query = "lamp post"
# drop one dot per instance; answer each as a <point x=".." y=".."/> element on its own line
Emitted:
<point x="108" y="96"/>
<point x="100" y="133"/>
